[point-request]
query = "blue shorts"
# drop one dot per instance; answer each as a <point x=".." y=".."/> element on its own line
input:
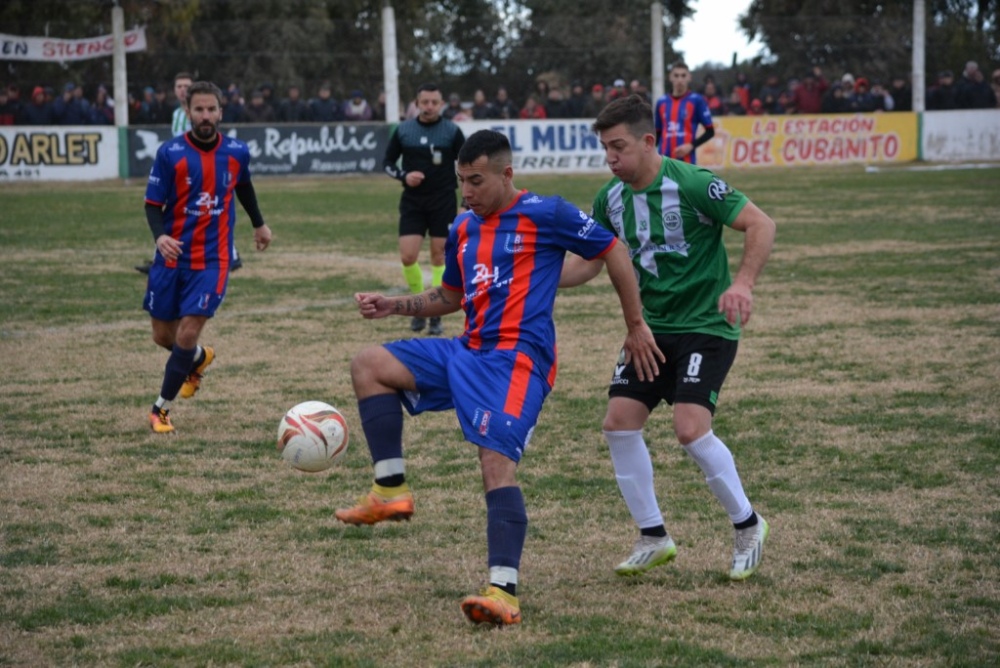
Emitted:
<point x="497" y="395"/>
<point x="172" y="293"/>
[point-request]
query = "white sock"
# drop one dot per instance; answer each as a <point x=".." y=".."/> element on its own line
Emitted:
<point x="716" y="462"/>
<point x="634" y="472"/>
<point x="162" y="403"/>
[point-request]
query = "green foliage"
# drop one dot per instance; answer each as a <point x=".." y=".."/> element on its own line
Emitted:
<point x="874" y="39"/>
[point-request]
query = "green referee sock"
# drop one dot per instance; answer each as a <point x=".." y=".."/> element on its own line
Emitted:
<point x="414" y="277"/>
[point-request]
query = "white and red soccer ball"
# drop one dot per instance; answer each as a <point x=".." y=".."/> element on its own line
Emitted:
<point x="312" y="436"/>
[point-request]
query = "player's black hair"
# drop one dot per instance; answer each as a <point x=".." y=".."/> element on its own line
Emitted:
<point x="427" y="88"/>
<point x="202" y="88"/>
<point x="484" y="142"/>
<point x="680" y="64"/>
<point x="632" y="111"/>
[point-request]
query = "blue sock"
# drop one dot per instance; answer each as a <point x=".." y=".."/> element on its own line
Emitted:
<point x="506" y="528"/>
<point x="176" y="371"/>
<point x="382" y="422"/>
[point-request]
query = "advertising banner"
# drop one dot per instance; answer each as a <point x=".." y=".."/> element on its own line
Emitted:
<point x="283" y="149"/>
<point x="828" y="139"/>
<point x="548" y="147"/>
<point x="950" y="136"/>
<point x="55" y="50"/>
<point x="71" y="153"/>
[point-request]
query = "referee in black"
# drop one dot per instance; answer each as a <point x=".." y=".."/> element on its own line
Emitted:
<point x="429" y="146"/>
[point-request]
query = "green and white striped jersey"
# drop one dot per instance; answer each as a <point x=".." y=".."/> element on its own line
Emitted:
<point x="180" y="123"/>
<point x="673" y="230"/>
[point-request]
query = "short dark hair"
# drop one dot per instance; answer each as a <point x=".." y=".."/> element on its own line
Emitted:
<point x="183" y="75"/>
<point x="204" y="88"/>
<point x="680" y="64"/>
<point x="632" y="111"/>
<point x="427" y="88"/>
<point x="485" y="142"/>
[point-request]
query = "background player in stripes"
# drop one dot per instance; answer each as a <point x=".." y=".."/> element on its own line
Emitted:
<point x="677" y="116"/>
<point x="671" y="215"/>
<point x="191" y="212"/>
<point x="502" y="265"/>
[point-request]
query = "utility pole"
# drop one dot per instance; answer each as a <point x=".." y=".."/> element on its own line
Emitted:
<point x="120" y="74"/>
<point x="390" y="64"/>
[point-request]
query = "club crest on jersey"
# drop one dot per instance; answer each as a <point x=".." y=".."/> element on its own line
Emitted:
<point x="514" y="243"/>
<point x="718" y="189"/>
<point x="671" y="220"/>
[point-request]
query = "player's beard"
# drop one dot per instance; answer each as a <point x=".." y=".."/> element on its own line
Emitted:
<point x="206" y="130"/>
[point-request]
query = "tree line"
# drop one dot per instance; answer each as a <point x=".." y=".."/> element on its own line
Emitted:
<point x="468" y="44"/>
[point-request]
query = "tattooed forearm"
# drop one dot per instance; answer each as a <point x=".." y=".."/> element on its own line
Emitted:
<point x="439" y="295"/>
<point x="415" y="304"/>
<point x="400" y="307"/>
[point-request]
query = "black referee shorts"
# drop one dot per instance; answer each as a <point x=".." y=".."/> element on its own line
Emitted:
<point x="423" y="216"/>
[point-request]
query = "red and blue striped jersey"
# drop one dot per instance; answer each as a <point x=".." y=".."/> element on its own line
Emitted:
<point x="677" y="120"/>
<point x="196" y="187"/>
<point x="508" y="268"/>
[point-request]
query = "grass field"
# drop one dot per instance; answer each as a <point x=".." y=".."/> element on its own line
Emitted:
<point x="862" y="411"/>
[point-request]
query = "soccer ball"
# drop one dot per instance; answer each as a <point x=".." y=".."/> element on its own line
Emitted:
<point x="312" y="436"/>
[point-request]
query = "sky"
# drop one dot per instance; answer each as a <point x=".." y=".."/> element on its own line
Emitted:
<point x="713" y="34"/>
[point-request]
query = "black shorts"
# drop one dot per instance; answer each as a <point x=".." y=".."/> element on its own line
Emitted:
<point x="423" y="217"/>
<point x="696" y="367"/>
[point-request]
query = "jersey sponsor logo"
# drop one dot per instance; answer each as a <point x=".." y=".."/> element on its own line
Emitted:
<point x="674" y="129"/>
<point x="207" y="204"/>
<point x="718" y="189"/>
<point x="487" y="279"/>
<point x="671" y="220"/>
<point x="534" y="199"/>
<point x="484" y="274"/>
<point x="175" y="147"/>
<point x="588" y="227"/>
<point x="155" y="180"/>
<point x="681" y="248"/>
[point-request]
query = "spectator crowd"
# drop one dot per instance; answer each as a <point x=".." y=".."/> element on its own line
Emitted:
<point x="812" y="93"/>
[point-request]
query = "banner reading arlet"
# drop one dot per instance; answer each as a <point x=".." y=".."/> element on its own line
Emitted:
<point x="72" y="153"/>
<point x="55" y="50"/>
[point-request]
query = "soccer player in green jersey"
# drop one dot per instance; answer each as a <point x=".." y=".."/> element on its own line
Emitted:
<point x="671" y="215"/>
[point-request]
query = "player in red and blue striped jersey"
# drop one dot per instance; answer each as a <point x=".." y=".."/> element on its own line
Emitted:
<point x="676" y="118"/>
<point x="503" y="259"/>
<point x="191" y="211"/>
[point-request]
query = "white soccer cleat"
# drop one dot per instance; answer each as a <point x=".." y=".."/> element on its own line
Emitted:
<point x="649" y="552"/>
<point x="749" y="551"/>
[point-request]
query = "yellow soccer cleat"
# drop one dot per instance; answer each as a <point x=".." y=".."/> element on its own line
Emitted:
<point x="492" y="606"/>
<point x="159" y="421"/>
<point x="193" y="381"/>
<point x="374" y="507"/>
